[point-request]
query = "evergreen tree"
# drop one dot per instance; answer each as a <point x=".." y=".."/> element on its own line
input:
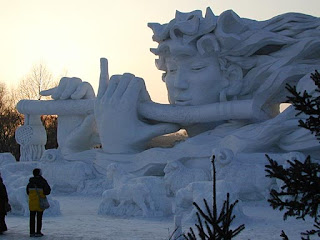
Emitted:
<point x="300" y="192"/>
<point x="211" y="225"/>
<point x="307" y="104"/>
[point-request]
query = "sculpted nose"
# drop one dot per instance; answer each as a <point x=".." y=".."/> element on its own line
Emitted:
<point x="181" y="80"/>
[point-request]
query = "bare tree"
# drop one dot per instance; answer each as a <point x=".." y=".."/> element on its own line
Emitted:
<point x="39" y="78"/>
<point x="7" y="97"/>
<point x="2" y="95"/>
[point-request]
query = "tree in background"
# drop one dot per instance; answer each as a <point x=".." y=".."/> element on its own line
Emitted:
<point x="29" y="87"/>
<point x="10" y="119"/>
<point x="50" y="123"/>
<point x="39" y="78"/>
<point x="2" y="95"/>
<point x="300" y="192"/>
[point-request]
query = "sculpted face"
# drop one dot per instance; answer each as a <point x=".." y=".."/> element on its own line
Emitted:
<point x="193" y="80"/>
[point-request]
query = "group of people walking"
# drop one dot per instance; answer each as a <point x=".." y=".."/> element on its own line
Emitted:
<point x="37" y="189"/>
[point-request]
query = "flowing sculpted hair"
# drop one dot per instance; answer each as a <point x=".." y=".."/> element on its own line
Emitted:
<point x="264" y="55"/>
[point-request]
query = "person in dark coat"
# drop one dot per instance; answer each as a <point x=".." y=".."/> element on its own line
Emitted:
<point x="37" y="187"/>
<point x="3" y="202"/>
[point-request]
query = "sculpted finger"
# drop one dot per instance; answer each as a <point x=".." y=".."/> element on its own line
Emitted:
<point x="134" y="88"/>
<point x="144" y="93"/>
<point x="113" y="83"/>
<point x="104" y="77"/>
<point x="122" y="86"/>
<point x="84" y="90"/>
<point x="71" y="87"/>
<point x="48" y="92"/>
<point x="59" y="90"/>
<point x="97" y="106"/>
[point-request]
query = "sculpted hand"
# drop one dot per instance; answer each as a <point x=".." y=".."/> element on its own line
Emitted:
<point x="82" y="137"/>
<point x="70" y="88"/>
<point x="75" y="133"/>
<point x="120" y="127"/>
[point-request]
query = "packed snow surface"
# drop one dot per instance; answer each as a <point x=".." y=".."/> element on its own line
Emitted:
<point x="79" y="219"/>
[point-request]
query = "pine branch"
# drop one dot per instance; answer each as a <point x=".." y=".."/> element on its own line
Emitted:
<point x="316" y="78"/>
<point x="300" y="193"/>
<point x="313" y="231"/>
<point x="204" y="215"/>
<point x="307" y="104"/>
<point x="284" y="236"/>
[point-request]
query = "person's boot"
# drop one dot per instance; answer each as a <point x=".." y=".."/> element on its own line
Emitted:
<point x="39" y="234"/>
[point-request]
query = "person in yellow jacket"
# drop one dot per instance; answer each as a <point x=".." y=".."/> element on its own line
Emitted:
<point x="37" y="186"/>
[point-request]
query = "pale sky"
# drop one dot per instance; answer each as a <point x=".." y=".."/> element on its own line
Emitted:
<point x="72" y="35"/>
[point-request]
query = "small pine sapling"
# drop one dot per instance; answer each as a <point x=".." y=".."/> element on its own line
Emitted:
<point x="212" y="226"/>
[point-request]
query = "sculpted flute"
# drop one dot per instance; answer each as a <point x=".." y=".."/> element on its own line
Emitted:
<point x="237" y="109"/>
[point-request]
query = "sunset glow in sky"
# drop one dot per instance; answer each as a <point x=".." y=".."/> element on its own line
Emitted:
<point x="71" y="35"/>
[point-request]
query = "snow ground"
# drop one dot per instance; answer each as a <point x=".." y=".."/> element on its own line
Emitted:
<point x="79" y="220"/>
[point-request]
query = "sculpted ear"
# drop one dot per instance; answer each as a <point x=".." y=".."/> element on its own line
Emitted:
<point x="208" y="44"/>
<point x="234" y="75"/>
<point x="229" y="28"/>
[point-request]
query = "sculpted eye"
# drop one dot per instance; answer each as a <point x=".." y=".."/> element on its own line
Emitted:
<point x="198" y="68"/>
<point x="172" y="70"/>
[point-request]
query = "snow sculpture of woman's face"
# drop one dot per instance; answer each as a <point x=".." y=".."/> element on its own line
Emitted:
<point x="188" y="53"/>
<point x="193" y="79"/>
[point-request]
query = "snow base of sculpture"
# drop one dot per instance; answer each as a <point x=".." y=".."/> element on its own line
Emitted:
<point x="126" y="194"/>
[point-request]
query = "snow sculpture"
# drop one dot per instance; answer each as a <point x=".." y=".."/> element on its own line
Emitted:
<point x="240" y="68"/>
<point x="6" y="158"/>
<point x="16" y="177"/>
<point x="32" y="138"/>
<point x="225" y="77"/>
<point x="51" y="155"/>
<point x="133" y="195"/>
<point x="178" y="176"/>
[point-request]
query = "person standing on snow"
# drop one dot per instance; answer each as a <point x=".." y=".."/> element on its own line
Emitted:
<point x="37" y="188"/>
<point x="4" y="201"/>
